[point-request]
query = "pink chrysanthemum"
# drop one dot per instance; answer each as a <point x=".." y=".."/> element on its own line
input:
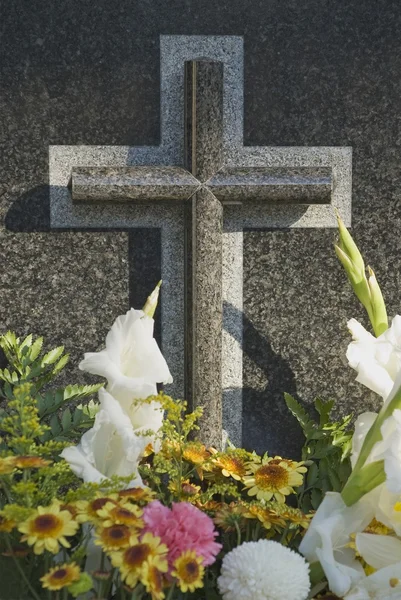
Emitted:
<point x="182" y="528"/>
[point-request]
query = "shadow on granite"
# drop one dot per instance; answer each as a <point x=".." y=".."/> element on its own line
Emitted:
<point x="267" y="425"/>
<point x="30" y="212"/>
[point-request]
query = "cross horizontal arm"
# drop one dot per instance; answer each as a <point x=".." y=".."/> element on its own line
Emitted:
<point x="302" y="185"/>
<point x="140" y="184"/>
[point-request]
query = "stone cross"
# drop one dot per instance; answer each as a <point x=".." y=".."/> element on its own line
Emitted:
<point x="203" y="186"/>
<point x="208" y="175"/>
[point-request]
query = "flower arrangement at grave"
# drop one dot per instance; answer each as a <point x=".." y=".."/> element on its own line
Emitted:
<point x="118" y="498"/>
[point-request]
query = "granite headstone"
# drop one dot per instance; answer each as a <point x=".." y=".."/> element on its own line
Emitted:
<point x="314" y="76"/>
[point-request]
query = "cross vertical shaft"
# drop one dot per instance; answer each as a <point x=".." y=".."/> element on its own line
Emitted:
<point x="204" y="224"/>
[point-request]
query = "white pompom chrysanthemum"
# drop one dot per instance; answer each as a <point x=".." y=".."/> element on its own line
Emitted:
<point x="264" y="570"/>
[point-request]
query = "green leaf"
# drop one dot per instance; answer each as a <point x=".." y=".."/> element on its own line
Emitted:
<point x="52" y="356"/>
<point x="324" y="409"/>
<point x="312" y="475"/>
<point x="66" y="419"/>
<point x="297" y="410"/>
<point x="35" y="349"/>
<point x="55" y="426"/>
<point x="61" y="364"/>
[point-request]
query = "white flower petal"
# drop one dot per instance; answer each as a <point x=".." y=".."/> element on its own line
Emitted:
<point x="378" y="550"/>
<point x="385" y="584"/>
<point x="362" y="425"/>
<point x="328" y="536"/>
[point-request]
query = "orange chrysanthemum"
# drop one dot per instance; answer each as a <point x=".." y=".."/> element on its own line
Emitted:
<point x="31" y="462"/>
<point x="195" y="453"/>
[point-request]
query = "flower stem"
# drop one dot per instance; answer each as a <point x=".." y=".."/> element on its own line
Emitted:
<point x="171" y="592"/>
<point x="21" y="570"/>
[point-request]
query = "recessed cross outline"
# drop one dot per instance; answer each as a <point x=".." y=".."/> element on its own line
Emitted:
<point x="271" y="166"/>
<point x="204" y="185"/>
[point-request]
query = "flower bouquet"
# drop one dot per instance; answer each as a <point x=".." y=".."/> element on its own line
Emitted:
<point x="118" y="498"/>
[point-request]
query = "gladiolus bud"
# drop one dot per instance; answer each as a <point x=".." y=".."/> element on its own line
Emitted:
<point x="380" y="324"/>
<point x="367" y="291"/>
<point x="151" y="303"/>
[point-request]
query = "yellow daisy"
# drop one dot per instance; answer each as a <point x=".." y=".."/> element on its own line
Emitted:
<point x="88" y="511"/>
<point x="131" y="561"/>
<point x="189" y="491"/>
<point x="153" y="580"/>
<point x="114" y="537"/>
<point x="195" y="453"/>
<point x="31" y="462"/>
<point x="61" y="576"/>
<point x="266" y="516"/>
<point x="137" y="494"/>
<point x="272" y="478"/>
<point x="231" y="466"/>
<point x="7" y="465"/>
<point x="189" y="571"/>
<point x="120" y="514"/>
<point x="6" y="525"/>
<point x="229" y="517"/>
<point x="47" y="528"/>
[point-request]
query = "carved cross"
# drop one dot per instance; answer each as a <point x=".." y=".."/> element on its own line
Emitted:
<point x="203" y="186"/>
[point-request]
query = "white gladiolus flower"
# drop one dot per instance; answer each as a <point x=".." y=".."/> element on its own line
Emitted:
<point x="377" y="360"/>
<point x="328" y="537"/>
<point x="385" y="584"/>
<point x="378" y="551"/>
<point x="388" y="509"/>
<point x="110" y="447"/>
<point x="263" y="570"/>
<point x="131" y="362"/>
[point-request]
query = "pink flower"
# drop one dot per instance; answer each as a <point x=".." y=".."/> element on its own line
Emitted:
<point x="184" y="527"/>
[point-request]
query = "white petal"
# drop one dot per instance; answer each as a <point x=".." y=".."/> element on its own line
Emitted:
<point x="385" y="509"/>
<point x="379" y="586"/>
<point x="378" y="550"/>
<point x="362" y="425"/>
<point x="81" y="466"/>
<point x="375" y="377"/>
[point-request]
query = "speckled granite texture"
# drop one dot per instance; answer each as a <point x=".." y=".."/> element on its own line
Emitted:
<point x="315" y="74"/>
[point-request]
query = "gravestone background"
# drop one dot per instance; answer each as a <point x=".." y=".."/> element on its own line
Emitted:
<point x="316" y="74"/>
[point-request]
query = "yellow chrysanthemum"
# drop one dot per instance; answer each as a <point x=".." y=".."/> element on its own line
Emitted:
<point x="61" y="576"/>
<point x="274" y="477"/>
<point x="88" y="511"/>
<point x="120" y="514"/>
<point x="230" y="517"/>
<point x="231" y="466"/>
<point x="131" y="561"/>
<point x="153" y="580"/>
<point x="6" y="525"/>
<point x="189" y="571"/>
<point x="47" y="528"/>
<point x="188" y="491"/>
<point x="7" y="465"/>
<point x="114" y="537"/>
<point x="31" y="462"/>
<point x="137" y="494"/>
<point x="195" y="453"/>
<point x="266" y="516"/>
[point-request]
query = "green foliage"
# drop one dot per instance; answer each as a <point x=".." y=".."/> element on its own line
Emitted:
<point x="28" y="364"/>
<point x="326" y="451"/>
